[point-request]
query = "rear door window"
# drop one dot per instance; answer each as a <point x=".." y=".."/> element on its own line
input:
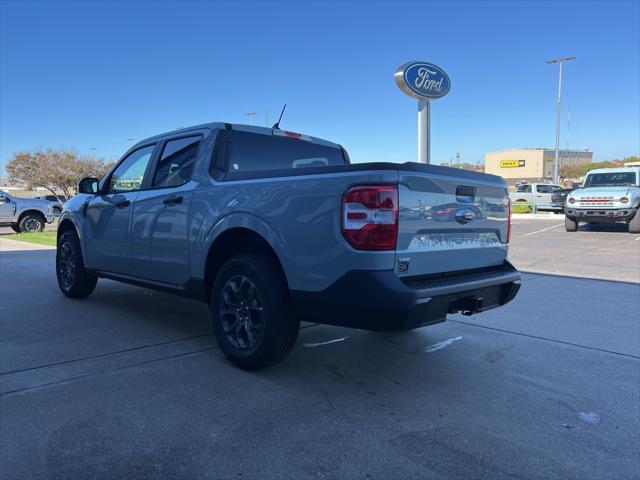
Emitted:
<point x="543" y="189"/>
<point x="252" y="152"/>
<point x="175" y="166"/>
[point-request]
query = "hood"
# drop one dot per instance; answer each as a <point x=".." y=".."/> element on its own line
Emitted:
<point x="31" y="202"/>
<point x="602" y="191"/>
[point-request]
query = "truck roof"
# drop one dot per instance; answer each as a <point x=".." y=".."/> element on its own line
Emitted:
<point x="615" y="170"/>
<point x="233" y="126"/>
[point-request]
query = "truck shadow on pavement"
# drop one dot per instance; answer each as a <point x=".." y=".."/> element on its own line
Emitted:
<point x="603" y="227"/>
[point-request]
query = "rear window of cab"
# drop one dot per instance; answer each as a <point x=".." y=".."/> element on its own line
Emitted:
<point x="250" y="152"/>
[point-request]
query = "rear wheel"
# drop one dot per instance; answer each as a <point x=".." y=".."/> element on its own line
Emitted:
<point x="73" y="278"/>
<point x="634" y="223"/>
<point x="251" y="313"/>
<point x="31" y="223"/>
<point x="570" y="225"/>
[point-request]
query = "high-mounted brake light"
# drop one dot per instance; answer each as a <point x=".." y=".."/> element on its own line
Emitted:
<point x="297" y="136"/>
<point x="370" y="217"/>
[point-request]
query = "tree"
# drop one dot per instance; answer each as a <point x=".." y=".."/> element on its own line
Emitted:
<point x="580" y="170"/>
<point x="54" y="169"/>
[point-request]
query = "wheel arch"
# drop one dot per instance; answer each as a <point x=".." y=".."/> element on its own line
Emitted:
<point x="65" y="225"/>
<point x="232" y="242"/>
<point x="32" y="211"/>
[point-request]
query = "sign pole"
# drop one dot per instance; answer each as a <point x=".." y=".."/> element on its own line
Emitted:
<point x="424" y="131"/>
<point x="424" y="82"/>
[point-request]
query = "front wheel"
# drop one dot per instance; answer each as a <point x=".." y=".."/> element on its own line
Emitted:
<point x="570" y="225"/>
<point x="15" y="227"/>
<point x="73" y="278"/>
<point x="31" y="223"/>
<point x="251" y="313"/>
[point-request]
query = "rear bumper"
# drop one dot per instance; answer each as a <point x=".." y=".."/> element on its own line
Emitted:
<point x="601" y="214"/>
<point x="379" y="300"/>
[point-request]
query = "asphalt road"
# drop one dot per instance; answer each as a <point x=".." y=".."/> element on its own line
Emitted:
<point x="594" y="251"/>
<point x="129" y="383"/>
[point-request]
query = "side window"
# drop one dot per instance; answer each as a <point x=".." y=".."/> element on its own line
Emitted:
<point x="175" y="167"/>
<point x="129" y="174"/>
<point x="542" y="189"/>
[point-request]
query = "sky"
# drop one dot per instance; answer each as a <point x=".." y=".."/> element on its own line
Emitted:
<point x="91" y="75"/>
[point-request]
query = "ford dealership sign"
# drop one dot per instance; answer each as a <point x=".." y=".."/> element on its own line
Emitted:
<point x="422" y="80"/>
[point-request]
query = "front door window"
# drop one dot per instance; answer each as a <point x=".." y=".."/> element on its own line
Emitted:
<point x="128" y="175"/>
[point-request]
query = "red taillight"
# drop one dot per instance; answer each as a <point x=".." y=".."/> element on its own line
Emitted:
<point x="509" y="220"/>
<point x="370" y="217"/>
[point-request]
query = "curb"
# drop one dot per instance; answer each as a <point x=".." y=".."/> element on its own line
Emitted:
<point x="9" y="245"/>
<point x="537" y="216"/>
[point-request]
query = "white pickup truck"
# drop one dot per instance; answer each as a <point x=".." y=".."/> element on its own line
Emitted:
<point x="537" y="196"/>
<point x="608" y="195"/>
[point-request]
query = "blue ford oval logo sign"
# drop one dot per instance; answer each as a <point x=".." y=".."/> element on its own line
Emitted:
<point x="422" y="80"/>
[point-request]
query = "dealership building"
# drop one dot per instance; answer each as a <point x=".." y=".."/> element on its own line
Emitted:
<point x="531" y="164"/>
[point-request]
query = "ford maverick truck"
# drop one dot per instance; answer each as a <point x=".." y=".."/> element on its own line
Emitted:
<point x="272" y="227"/>
<point x="609" y="195"/>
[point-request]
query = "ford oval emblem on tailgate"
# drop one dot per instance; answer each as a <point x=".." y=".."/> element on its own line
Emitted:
<point x="465" y="215"/>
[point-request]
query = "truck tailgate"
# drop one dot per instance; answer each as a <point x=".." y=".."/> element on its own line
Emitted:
<point x="449" y="220"/>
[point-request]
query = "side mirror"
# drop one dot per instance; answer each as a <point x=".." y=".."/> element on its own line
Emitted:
<point x="3" y="199"/>
<point x="88" y="185"/>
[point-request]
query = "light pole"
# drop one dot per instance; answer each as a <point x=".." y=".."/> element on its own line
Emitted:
<point x="250" y="115"/>
<point x="560" y="60"/>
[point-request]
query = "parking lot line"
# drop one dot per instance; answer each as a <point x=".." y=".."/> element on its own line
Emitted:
<point x="543" y="230"/>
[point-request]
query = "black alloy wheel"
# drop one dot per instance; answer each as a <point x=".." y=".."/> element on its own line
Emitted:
<point x="241" y="312"/>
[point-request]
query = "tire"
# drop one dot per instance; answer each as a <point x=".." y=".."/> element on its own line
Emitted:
<point x="73" y="278"/>
<point x="31" y="223"/>
<point x="634" y="223"/>
<point x="15" y="227"/>
<point x="570" y="225"/>
<point x="251" y="313"/>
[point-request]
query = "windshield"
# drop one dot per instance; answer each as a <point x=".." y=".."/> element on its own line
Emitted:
<point x="610" y="179"/>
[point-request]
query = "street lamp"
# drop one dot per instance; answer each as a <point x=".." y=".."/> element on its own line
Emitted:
<point x="250" y="115"/>
<point x="560" y="60"/>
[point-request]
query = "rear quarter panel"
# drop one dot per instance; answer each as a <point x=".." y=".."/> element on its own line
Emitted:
<point x="298" y="215"/>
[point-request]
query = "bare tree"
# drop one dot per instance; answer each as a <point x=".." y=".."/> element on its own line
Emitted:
<point x="54" y="169"/>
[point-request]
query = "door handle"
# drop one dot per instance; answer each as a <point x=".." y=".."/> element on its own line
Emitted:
<point x="123" y="203"/>
<point x="172" y="200"/>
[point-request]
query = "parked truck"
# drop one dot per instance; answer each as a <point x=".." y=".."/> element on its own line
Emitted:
<point x="537" y="196"/>
<point x="608" y="195"/>
<point x="271" y="227"/>
<point x="24" y="214"/>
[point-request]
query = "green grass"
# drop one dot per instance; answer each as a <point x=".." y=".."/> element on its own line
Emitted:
<point x="518" y="207"/>
<point x="43" y="238"/>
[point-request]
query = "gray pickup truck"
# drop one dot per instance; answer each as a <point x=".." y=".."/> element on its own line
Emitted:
<point x="272" y="227"/>
<point x="24" y="214"/>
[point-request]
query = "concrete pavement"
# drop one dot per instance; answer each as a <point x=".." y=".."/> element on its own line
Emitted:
<point x="129" y="383"/>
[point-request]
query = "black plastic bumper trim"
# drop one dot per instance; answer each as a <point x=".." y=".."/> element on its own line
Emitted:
<point x="380" y="300"/>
